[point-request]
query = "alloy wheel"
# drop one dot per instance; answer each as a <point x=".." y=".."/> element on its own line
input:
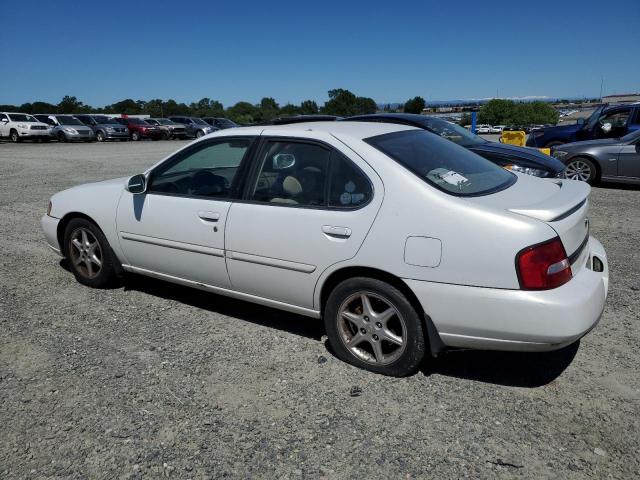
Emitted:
<point x="371" y="328"/>
<point x="85" y="252"/>
<point x="578" y="170"/>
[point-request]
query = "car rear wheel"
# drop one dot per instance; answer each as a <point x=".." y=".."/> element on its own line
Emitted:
<point x="15" y="137"/>
<point x="372" y="325"/>
<point x="581" y="169"/>
<point x="135" y="136"/>
<point x="100" y="136"/>
<point x="89" y="254"/>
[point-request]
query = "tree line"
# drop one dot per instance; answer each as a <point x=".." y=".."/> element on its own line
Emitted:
<point x="508" y="112"/>
<point x="341" y="103"/>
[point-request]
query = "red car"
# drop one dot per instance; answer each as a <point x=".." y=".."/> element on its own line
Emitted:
<point x="139" y="129"/>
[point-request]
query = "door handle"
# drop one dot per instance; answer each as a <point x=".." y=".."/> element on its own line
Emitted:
<point x="339" y="232"/>
<point x="209" y="216"/>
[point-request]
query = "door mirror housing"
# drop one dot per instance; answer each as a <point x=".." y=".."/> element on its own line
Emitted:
<point x="137" y="184"/>
<point x="5" y="120"/>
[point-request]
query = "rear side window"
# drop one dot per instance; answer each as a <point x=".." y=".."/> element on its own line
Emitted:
<point x="348" y="186"/>
<point x="442" y="163"/>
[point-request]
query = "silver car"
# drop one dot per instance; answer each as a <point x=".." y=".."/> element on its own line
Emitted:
<point x="607" y="159"/>
<point x="67" y="128"/>
<point x="170" y="129"/>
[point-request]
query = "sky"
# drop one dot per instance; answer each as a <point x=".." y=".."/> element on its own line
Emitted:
<point x="233" y="50"/>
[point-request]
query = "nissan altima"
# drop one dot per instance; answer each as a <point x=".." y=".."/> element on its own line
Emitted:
<point x="403" y="242"/>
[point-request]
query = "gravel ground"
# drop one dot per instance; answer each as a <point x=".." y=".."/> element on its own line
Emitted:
<point x="154" y="379"/>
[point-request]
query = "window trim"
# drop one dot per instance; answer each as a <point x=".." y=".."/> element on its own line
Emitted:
<point x="237" y="186"/>
<point x="253" y="173"/>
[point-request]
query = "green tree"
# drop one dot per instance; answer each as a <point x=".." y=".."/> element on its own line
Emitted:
<point x="465" y="119"/>
<point x="365" y="105"/>
<point x="415" y="105"/>
<point x="290" y="110"/>
<point x="508" y="112"/>
<point x="206" y="107"/>
<point x="309" y="107"/>
<point x="126" y="107"/>
<point x="243" y="113"/>
<point x="70" y="105"/>
<point x="341" y="102"/>
<point x="171" y="107"/>
<point x="268" y="109"/>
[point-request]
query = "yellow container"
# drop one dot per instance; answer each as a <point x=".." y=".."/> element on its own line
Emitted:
<point x="517" y="138"/>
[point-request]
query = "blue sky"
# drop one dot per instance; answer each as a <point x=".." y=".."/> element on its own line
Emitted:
<point x="102" y="52"/>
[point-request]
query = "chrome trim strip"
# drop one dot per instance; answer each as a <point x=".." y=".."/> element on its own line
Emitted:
<point x="308" y="312"/>
<point x="271" y="262"/>
<point x="569" y="212"/>
<point x="161" y="242"/>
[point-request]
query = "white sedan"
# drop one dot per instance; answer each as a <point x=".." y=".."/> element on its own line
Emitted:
<point x="402" y="241"/>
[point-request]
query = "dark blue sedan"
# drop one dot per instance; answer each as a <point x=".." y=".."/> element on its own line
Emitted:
<point x="519" y="159"/>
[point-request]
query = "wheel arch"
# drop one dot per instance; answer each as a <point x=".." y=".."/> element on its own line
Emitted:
<point x="592" y="159"/>
<point x="433" y="338"/>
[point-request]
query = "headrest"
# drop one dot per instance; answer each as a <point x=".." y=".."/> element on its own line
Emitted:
<point x="292" y="186"/>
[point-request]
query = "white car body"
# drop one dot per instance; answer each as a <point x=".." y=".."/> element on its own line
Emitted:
<point x="25" y="130"/>
<point x="497" y="128"/>
<point x="483" y="129"/>
<point x="456" y="254"/>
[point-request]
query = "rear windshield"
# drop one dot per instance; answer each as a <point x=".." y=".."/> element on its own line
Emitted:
<point x="442" y="163"/>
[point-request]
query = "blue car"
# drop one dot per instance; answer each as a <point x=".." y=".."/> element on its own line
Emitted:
<point x="518" y="159"/>
<point x="605" y="122"/>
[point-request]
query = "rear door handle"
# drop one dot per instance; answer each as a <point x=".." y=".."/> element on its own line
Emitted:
<point x="339" y="232"/>
<point x="209" y="216"/>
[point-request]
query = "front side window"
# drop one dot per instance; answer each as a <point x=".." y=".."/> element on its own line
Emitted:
<point x="293" y="173"/>
<point x="442" y="163"/>
<point x="207" y="170"/>
<point x="616" y="119"/>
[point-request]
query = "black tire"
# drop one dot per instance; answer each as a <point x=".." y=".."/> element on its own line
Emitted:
<point x="199" y="134"/>
<point x="166" y="135"/>
<point x="15" y="136"/>
<point x="100" y="136"/>
<point x="62" y="138"/>
<point x="554" y="143"/>
<point x="582" y="169"/>
<point x="135" y="136"/>
<point x="410" y="355"/>
<point x="46" y="140"/>
<point x="107" y="275"/>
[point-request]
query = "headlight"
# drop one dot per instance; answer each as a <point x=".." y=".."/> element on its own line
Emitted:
<point x="22" y="125"/>
<point x="559" y="154"/>
<point x="70" y="130"/>
<point x="536" y="172"/>
<point x="111" y="129"/>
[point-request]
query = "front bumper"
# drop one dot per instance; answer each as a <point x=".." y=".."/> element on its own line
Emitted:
<point x="518" y="320"/>
<point x="34" y="134"/>
<point x="116" y="135"/>
<point x="50" y="229"/>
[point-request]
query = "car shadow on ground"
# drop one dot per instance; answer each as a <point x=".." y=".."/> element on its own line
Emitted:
<point x="247" y="311"/>
<point x="618" y="186"/>
<point x="514" y="369"/>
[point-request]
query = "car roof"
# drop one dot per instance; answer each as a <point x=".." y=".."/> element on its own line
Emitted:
<point x="355" y="130"/>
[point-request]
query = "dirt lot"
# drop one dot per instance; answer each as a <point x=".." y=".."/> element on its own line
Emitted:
<point x="153" y="379"/>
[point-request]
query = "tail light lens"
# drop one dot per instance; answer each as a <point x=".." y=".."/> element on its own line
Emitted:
<point x="543" y="266"/>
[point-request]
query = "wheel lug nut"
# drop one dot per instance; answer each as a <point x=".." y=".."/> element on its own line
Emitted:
<point x="375" y="337"/>
<point x="363" y="331"/>
<point x="366" y="319"/>
<point x="378" y="324"/>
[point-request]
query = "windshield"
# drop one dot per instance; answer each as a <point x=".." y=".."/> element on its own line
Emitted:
<point x="103" y="119"/>
<point x="593" y="118"/>
<point x="165" y="121"/>
<point x="152" y="121"/>
<point x="21" y="117"/>
<point x="199" y="121"/>
<point x="226" y="122"/>
<point x="631" y="137"/>
<point x="68" y="120"/>
<point x="453" y="132"/>
<point x="442" y="164"/>
<point x="137" y="121"/>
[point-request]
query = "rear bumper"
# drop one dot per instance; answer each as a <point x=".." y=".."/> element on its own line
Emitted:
<point x="50" y="229"/>
<point x="519" y="320"/>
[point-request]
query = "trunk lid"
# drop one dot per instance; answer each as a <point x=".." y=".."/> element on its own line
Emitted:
<point x="561" y="204"/>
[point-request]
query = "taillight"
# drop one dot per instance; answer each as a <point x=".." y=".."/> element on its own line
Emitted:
<point x="543" y="266"/>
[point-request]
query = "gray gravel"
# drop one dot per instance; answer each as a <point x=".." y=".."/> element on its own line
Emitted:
<point x="153" y="379"/>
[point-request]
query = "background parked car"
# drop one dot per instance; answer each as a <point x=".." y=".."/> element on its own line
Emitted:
<point x="483" y="129"/>
<point x="104" y="128"/>
<point x="605" y="122"/>
<point x="519" y="159"/>
<point x="169" y="129"/>
<point x="196" y="127"/>
<point x="139" y="129"/>
<point x="67" y="128"/>
<point x="220" y="123"/>
<point x="21" y="126"/>
<point x="609" y="159"/>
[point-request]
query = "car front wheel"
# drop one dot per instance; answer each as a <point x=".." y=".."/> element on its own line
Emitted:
<point x="100" y="136"/>
<point x="199" y="133"/>
<point x="372" y="325"/>
<point x="89" y="254"/>
<point x="581" y="169"/>
<point x="135" y="136"/>
<point x="15" y="137"/>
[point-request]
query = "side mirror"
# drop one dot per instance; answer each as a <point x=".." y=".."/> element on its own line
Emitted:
<point x="606" y="127"/>
<point x="137" y="184"/>
<point x="5" y="120"/>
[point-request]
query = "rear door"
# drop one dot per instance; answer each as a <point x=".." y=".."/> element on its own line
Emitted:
<point x="629" y="161"/>
<point x="309" y="205"/>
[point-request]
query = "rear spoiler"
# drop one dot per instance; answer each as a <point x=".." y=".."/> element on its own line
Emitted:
<point x="571" y="196"/>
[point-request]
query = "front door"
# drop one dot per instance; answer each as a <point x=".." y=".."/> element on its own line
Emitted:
<point x="629" y="161"/>
<point x="308" y="207"/>
<point x="177" y="227"/>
